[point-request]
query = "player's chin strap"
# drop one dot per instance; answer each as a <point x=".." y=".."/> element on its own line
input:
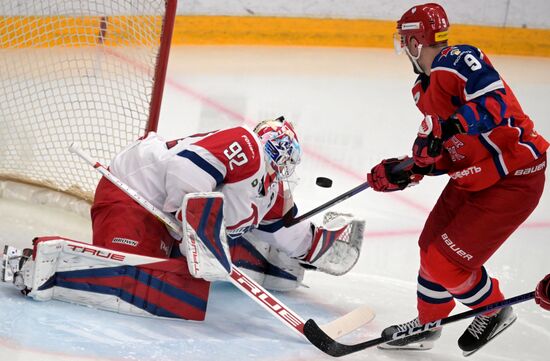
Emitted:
<point x="283" y="313"/>
<point x="414" y="59"/>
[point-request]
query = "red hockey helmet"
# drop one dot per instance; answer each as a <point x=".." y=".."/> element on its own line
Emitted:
<point x="427" y="23"/>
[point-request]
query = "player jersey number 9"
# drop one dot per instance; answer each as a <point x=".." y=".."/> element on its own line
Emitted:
<point x="472" y="62"/>
<point x="235" y="155"/>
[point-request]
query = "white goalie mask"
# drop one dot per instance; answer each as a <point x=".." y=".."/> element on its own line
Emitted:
<point x="281" y="147"/>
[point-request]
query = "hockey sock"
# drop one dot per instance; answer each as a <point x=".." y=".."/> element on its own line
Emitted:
<point x="433" y="301"/>
<point x="483" y="292"/>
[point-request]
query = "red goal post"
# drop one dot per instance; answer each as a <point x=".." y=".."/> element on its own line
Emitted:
<point x="89" y="72"/>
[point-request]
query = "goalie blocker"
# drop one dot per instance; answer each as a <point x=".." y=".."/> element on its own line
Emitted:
<point x="126" y="283"/>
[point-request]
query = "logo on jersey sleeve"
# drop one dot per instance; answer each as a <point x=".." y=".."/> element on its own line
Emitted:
<point x="451" y="50"/>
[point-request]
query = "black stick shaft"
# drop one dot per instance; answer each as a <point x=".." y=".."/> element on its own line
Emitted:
<point x="328" y="204"/>
<point x="342" y="197"/>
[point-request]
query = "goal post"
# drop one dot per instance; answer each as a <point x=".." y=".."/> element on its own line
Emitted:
<point x="90" y="72"/>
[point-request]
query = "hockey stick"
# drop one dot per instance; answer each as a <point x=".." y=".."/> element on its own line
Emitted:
<point x="292" y="221"/>
<point x="251" y="288"/>
<point x="342" y="197"/>
<point x="334" y="348"/>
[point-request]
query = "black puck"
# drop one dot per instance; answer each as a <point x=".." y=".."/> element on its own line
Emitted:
<point x="323" y="182"/>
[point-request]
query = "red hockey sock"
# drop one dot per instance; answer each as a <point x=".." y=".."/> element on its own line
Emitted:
<point x="441" y="280"/>
<point x="433" y="301"/>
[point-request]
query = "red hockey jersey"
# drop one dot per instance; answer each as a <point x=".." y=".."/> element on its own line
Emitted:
<point x="500" y="137"/>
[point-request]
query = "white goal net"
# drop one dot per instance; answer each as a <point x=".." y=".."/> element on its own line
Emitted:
<point x="83" y="71"/>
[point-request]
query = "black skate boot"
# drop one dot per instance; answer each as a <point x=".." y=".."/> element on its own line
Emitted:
<point x="484" y="328"/>
<point x="421" y="341"/>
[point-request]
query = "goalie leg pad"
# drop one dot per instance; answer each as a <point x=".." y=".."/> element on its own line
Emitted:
<point x="204" y="238"/>
<point x="126" y="283"/>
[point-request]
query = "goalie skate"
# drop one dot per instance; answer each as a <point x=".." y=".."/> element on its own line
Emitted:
<point x="12" y="261"/>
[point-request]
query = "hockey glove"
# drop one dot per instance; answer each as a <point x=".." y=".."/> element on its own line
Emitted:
<point x="428" y="145"/>
<point x="542" y="293"/>
<point x="383" y="177"/>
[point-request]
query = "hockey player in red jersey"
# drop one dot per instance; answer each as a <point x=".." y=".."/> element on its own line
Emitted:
<point x="138" y="266"/>
<point x="474" y="130"/>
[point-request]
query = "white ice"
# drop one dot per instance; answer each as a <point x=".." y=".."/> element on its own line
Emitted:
<point x="352" y="107"/>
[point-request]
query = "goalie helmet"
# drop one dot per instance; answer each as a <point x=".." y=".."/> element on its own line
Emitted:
<point x="427" y="23"/>
<point x="281" y="147"/>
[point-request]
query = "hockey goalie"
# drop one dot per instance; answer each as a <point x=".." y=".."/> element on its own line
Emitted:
<point x="229" y="189"/>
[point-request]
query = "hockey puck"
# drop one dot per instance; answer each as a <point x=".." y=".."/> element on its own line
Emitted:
<point x="323" y="182"/>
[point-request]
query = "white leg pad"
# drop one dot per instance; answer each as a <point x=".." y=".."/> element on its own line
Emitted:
<point x="62" y="255"/>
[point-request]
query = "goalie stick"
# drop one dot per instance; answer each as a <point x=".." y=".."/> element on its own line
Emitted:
<point x="334" y="348"/>
<point x="289" y="221"/>
<point x="251" y="288"/>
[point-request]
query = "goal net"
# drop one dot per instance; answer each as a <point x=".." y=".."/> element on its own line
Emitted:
<point x="85" y="71"/>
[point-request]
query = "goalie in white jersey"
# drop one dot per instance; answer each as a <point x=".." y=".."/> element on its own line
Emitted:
<point x="232" y="161"/>
<point x="251" y="169"/>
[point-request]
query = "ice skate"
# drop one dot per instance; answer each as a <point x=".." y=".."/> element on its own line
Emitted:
<point x="10" y="262"/>
<point x="13" y="260"/>
<point x="420" y="341"/>
<point x="484" y="328"/>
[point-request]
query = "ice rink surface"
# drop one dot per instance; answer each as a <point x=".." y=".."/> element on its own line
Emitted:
<point x="351" y="107"/>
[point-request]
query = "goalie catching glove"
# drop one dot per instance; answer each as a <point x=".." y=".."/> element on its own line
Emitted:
<point x="336" y="245"/>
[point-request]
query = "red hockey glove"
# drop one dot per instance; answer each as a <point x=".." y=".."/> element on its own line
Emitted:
<point x="428" y="145"/>
<point x="384" y="178"/>
<point x="542" y="293"/>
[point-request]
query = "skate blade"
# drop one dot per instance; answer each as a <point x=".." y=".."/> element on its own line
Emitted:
<point x="497" y="332"/>
<point x="414" y="346"/>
